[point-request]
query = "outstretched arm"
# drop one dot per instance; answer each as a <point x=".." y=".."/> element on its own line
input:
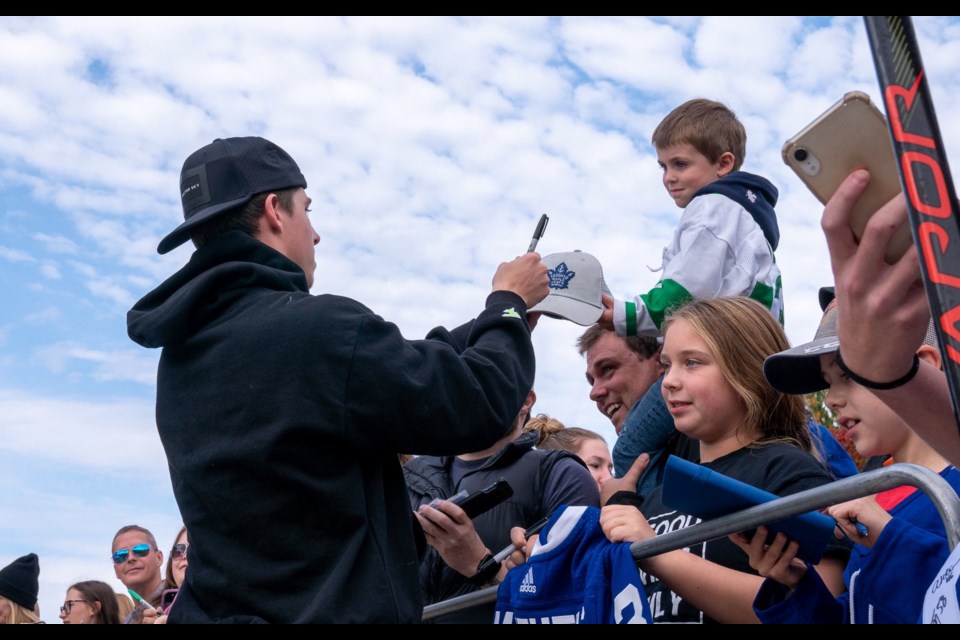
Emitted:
<point x="877" y="300"/>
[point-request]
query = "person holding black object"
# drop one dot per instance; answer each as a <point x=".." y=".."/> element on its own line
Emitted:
<point x="281" y="413"/>
<point x="461" y="554"/>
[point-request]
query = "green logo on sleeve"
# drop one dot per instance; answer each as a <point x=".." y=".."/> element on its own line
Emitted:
<point x="510" y="313"/>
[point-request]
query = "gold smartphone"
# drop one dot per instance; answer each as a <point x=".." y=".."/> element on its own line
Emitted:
<point x="850" y="135"/>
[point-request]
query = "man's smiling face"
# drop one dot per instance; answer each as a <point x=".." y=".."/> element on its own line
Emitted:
<point x="618" y="377"/>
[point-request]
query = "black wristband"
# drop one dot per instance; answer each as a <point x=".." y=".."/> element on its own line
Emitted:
<point x="881" y="386"/>
<point x="487" y="570"/>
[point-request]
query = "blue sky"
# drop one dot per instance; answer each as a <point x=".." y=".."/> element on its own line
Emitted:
<point x="430" y="145"/>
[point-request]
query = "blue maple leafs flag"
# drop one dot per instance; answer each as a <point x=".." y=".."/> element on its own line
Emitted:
<point x="560" y="276"/>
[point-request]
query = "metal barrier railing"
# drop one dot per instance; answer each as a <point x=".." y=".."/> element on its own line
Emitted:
<point x="936" y="488"/>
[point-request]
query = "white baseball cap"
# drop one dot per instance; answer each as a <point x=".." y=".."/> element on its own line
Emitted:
<point x="576" y="284"/>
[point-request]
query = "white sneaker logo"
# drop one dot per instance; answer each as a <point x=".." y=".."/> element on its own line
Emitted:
<point x="527" y="585"/>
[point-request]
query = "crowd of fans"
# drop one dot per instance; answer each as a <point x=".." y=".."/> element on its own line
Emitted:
<point x="293" y="450"/>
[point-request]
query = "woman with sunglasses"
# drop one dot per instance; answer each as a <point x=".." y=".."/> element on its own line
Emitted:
<point x="172" y="579"/>
<point x="90" y="602"/>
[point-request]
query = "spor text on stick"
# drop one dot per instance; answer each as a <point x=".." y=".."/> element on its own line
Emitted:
<point x="924" y="177"/>
<point x="538" y="232"/>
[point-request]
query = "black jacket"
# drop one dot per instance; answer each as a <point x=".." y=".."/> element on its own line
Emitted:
<point x="282" y="414"/>
<point x="530" y="472"/>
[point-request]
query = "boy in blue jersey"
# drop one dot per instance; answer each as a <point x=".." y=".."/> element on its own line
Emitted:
<point x="723" y="246"/>
<point x="899" y="535"/>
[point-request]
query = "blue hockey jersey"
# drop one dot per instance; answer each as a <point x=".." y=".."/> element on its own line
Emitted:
<point x="574" y="576"/>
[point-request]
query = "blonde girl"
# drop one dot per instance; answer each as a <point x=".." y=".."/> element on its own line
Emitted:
<point x="714" y="387"/>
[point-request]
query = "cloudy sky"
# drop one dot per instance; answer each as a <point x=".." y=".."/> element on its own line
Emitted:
<point x="431" y="146"/>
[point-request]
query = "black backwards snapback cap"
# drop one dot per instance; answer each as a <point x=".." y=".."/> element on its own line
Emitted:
<point x="226" y="174"/>
<point x="576" y="284"/>
<point x="797" y="370"/>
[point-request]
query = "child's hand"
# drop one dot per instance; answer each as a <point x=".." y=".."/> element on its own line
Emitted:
<point x="624" y="523"/>
<point x="606" y="318"/>
<point x="863" y="511"/>
<point x="523" y="550"/>
<point x="777" y="561"/>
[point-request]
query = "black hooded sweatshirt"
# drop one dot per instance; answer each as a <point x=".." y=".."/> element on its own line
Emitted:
<point x="282" y="413"/>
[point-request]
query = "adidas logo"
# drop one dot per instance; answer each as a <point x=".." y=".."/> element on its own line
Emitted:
<point x="527" y="585"/>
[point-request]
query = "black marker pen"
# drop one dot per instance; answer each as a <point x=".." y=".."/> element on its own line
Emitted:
<point x="538" y="232"/>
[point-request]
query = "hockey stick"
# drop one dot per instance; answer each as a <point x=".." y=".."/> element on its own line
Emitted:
<point x="924" y="177"/>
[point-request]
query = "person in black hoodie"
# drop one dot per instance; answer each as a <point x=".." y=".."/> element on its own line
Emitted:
<point x="281" y="413"/>
<point x="459" y="560"/>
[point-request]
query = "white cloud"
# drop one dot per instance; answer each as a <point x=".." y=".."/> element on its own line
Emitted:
<point x="110" y="435"/>
<point x="51" y="271"/>
<point x="15" y="255"/>
<point x="649" y="56"/>
<point x="44" y="315"/>
<point x="124" y="365"/>
<point x="746" y="45"/>
<point x="56" y="243"/>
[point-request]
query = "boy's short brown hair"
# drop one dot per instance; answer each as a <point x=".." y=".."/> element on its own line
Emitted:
<point x="709" y="126"/>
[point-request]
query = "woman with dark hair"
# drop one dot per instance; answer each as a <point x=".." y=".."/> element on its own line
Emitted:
<point x="172" y="579"/>
<point x="176" y="562"/>
<point x="90" y="602"/>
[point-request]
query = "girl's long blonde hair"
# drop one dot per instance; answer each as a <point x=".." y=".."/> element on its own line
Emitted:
<point x="741" y="333"/>
<point x="20" y="614"/>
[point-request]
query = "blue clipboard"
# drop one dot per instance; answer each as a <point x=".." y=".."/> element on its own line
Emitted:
<point x="707" y="494"/>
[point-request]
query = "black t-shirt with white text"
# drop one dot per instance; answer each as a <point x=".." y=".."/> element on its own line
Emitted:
<point x="781" y="469"/>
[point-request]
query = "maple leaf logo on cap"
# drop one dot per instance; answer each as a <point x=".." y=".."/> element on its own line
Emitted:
<point x="560" y="276"/>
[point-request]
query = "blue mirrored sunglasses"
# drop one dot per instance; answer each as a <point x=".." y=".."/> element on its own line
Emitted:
<point x="120" y="555"/>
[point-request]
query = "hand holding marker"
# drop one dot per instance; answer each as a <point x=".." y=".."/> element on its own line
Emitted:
<point x="861" y="528"/>
<point x="535" y="528"/>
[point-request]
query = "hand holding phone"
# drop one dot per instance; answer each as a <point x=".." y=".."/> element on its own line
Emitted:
<point x="852" y="134"/>
<point x="473" y="504"/>
<point x="167" y="598"/>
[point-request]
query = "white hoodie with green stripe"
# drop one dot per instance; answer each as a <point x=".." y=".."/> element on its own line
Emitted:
<point x="723" y="246"/>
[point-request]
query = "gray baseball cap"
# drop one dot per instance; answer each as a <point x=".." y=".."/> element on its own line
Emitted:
<point x="576" y="284"/>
